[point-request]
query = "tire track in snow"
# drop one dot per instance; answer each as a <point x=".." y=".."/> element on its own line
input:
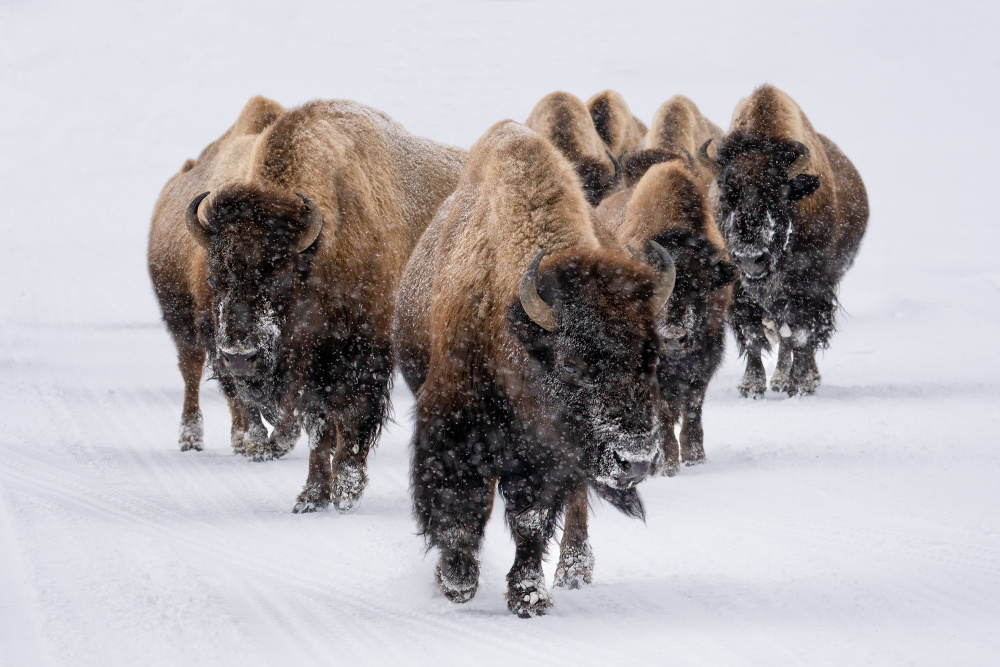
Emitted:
<point x="229" y="549"/>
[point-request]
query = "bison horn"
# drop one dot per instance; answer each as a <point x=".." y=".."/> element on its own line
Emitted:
<point x="313" y="226"/>
<point x="536" y="308"/>
<point x="708" y="163"/>
<point x="194" y="225"/>
<point x="665" y="285"/>
<point x="690" y="159"/>
<point x="618" y="166"/>
<point x="801" y="162"/>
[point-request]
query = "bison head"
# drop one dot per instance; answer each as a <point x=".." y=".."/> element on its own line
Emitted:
<point x="589" y="325"/>
<point x="701" y="270"/>
<point x="598" y="177"/>
<point x="257" y="249"/>
<point x="759" y="182"/>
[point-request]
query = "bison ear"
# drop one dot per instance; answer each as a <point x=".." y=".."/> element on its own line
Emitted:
<point x="802" y="186"/>
<point x="723" y="273"/>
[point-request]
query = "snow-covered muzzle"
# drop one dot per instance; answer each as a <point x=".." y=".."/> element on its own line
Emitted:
<point x="246" y="334"/>
<point x="606" y="409"/>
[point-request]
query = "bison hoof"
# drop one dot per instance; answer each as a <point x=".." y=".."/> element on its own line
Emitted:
<point x="528" y="597"/>
<point x="348" y="486"/>
<point x="192" y="434"/>
<point x="312" y="499"/>
<point x="753" y="391"/>
<point x="804" y="385"/>
<point x="250" y="442"/>
<point x="576" y="567"/>
<point x="780" y="383"/>
<point x="457" y="576"/>
<point x="670" y="469"/>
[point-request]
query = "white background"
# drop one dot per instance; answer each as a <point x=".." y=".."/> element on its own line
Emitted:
<point x="858" y="526"/>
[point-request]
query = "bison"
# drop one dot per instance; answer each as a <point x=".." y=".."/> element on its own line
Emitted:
<point x="793" y="211"/>
<point x="565" y="121"/>
<point x="276" y="256"/>
<point x="529" y="338"/>
<point x="621" y="131"/>
<point x="668" y="206"/>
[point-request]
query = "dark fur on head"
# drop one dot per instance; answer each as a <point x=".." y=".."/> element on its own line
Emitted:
<point x="637" y="163"/>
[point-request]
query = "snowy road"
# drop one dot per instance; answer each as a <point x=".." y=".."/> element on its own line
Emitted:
<point x="855" y="527"/>
<point x="860" y="526"/>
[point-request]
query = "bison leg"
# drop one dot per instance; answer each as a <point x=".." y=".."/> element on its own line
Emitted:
<point x="248" y="435"/>
<point x="780" y="381"/>
<point x="350" y="476"/>
<point x="527" y="595"/>
<point x="692" y="435"/>
<point x="747" y="320"/>
<point x="453" y="478"/>
<point x="669" y="445"/>
<point x="316" y="493"/>
<point x="804" y="377"/>
<point x="191" y="361"/>
<point x="754" y="380"/>
<point x="576" y="558"/>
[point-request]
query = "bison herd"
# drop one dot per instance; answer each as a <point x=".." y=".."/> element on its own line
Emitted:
<point x="555" y="297"/>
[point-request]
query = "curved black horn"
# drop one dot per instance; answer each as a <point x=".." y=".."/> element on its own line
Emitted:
<point x="618" y="166"/>
<point x="691" y="163"/>
<point x="708" y="163"/>
<point x="194" y="226"/>
<point x="536" y="308"/>
<point x="801" y="162"/>
<point x="665" y="285"/>
<point x="313" y="226"/>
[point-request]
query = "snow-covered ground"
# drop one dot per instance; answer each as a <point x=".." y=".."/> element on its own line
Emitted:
<point x="858" y="526"/>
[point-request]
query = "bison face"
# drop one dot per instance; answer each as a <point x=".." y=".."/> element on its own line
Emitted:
<point x="759" y="183"/>
<point x="255" y="266"/>
<point x="701" y="270"/>
<point x="589" y="327"/>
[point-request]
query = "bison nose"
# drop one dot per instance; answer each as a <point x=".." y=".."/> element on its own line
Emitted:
<point x="754" y="266"/>
<point x="240" y="365"/>
<point x="633" y="471"/>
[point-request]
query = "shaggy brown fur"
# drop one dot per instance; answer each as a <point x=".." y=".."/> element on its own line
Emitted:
<point x="486" y="411"/>
<point x="614" y="122"/>
<point x="822" y="214"/>
<point x="376" y="187"/>
<point x="565" y="121"/>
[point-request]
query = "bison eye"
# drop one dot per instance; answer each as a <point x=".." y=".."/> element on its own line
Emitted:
<point x="211" y="282"/>
<point x="574" y="370"/>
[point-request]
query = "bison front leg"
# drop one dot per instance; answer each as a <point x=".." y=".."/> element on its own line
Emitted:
<point x="804" y="377"/>
<point x="316" y="493"/>
<point x="453" y="481"/>
<point x="191" y="361"/>
<point x="692" y="434"/>
<point x="781" y="379"/>
<point x="576" y="557"/>
<point x="248" y="435"/>
<point x="747" y="320"/>
<point x="533" y="527"/>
